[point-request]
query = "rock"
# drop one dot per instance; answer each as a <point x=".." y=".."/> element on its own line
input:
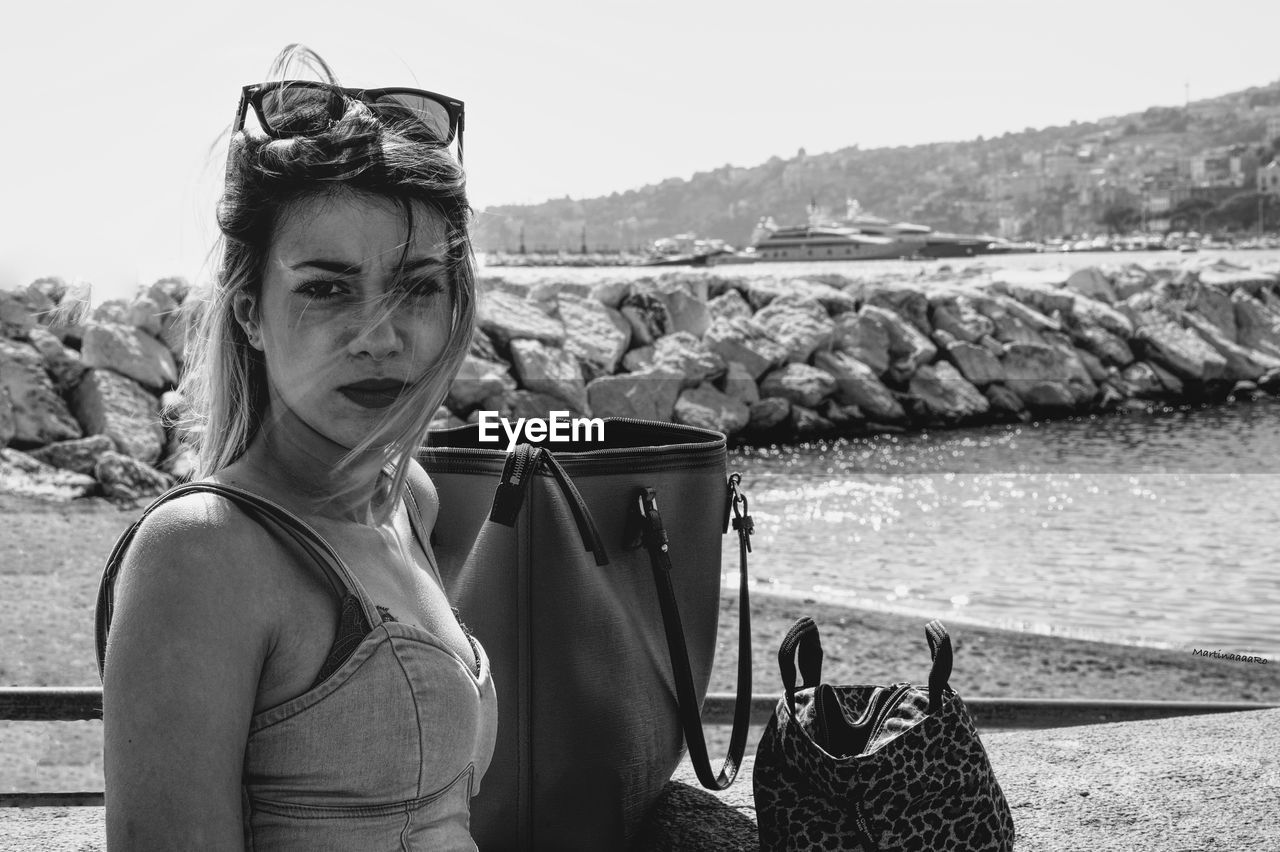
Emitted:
<point x="857" y="384"/>
<point x="1242" y="363"/>
<point x="174" y="289"/>
<point x="646" y="395"/>
<point x="8" y="423"/>
<point x="1215" y="306"/>
<point x="865" y="336"/>
<point x="126" y="479"/>
<point x="747" y="342"/>
<point x="801" y="326"/>
<point x="640" y="358"/>
<point x="1024" y="287"/>
<point x="594" y="334"/>
<point x="1030" y="366"/>
<point x="1004" y="401"/>
<point x="807" y="423"/>
<point x="909" y="348"/>
<point x="550" y="370"/>
<point x="1140" y="380"/>
<point x="906" y="301"/>
<point x="1181" y="351"/>
<point x="1093" y="365"/>
<point x="24" y="476"/>
<point x="1102" y="344"/>
<point x="506" y="317"/>
<point x="843" y="418"/>
<point x="738" y="384"/>
<point x="1131" y="279"/>
<point x="1172" y="384"/>
<point x="1270" y="382"/>
<point x="63" y="364"/>
<point x="683" y="298"/>
<point x="1014" y="322"/>
<point x="1257" y="326"/>
<point x="761" y="291"/>
<point x="527" y="404"/>
<point x="647" y="315"/>
<point x="978" y="366"/>
<point x="476" y="380"/>
<point x="729" y="305"/>
<point x="178" y="326"/>
<point x="107" y="403"/>
<point x="943" y="394"/>
<point x="173" y="408"/>
<point x="482" y="347"/>
<point x="39" y="416"/>
<point x="801" y="384"/>
<point x="1091" y="312"/>
<point x="15" y="317"/>
<point x="611" y="292"/>
<point x="51" y="289"/>
<point x="769" y="413"/>
<point x="130" y="352"/>
<point x="1237" y="278"/>
<point x="1048" y="397"/>
<point x="78" y="455"/>
<point x="956" y="315"/>
<point x="1091" y="282"/>
<point x="686" y="354"/>
<point x="709" y="408"/>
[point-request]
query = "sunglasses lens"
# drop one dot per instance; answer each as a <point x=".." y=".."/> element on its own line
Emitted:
<point x="418" y="107"/>
<point x="301" y="108"/>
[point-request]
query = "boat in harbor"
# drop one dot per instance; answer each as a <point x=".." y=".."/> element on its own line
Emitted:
<point x="861" y="236"/>
<point x="685" y="250"/>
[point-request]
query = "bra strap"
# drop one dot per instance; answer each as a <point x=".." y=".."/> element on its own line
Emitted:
<point x="261" y="510"/>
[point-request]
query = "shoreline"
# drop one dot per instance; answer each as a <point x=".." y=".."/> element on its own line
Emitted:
<point x="864" y="645"/>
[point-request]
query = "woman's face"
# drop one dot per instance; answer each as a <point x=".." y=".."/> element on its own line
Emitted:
<point x="337" y="353"/>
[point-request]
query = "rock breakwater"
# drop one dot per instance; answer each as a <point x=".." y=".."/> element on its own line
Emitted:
<point x="87" y="398"/>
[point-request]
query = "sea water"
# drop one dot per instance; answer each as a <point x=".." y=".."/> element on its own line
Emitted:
<point x="1150" y="528"/>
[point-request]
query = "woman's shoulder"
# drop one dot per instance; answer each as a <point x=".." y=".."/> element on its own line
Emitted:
<point x="197" y="537"/>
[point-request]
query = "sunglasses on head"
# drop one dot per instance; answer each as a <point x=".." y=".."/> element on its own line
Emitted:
<point x="288" y="108"/>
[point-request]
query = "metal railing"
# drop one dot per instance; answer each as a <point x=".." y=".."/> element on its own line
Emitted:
<point x="78" y="703"/>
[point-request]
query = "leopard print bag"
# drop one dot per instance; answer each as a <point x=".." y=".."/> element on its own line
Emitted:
<point x="863" y="767"/>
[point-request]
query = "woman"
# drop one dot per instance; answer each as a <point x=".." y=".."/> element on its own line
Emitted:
<point x="284" y="670"/>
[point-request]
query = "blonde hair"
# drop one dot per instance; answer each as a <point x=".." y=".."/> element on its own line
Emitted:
<point x="397" y="159"/>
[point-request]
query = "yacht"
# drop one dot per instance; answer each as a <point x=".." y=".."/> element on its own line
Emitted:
<point x="825" y="240"/>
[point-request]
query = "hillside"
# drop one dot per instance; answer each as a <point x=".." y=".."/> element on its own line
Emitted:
<point x="1034" y="183"/>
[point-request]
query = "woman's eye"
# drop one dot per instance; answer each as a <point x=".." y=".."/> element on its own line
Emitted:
<point x="425" y="287"/>
<point x="319" y="289"/>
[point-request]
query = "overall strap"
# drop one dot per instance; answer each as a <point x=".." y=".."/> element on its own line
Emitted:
<point x="261" y="510"/>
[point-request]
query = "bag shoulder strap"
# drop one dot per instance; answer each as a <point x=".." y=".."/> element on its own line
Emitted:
<point x="261" y="510"/>
<point x="655" y="539"/>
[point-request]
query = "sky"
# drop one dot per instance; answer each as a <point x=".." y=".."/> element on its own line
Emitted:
<point x="114" y="138"/>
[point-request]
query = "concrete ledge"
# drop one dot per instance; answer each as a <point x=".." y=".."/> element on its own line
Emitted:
<point x="1189" y="783"/>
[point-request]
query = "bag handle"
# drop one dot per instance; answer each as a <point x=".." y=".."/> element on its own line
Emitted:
<point x="655" y="539"/>
<point x="802" y="645"/>
<point x="517" y="473"/>
<point x="940" y="672"/>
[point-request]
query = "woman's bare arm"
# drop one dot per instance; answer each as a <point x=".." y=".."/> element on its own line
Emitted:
<point x="189" y="636"/>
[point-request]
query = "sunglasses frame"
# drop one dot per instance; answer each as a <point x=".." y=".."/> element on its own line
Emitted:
<point x="254" y="93"/>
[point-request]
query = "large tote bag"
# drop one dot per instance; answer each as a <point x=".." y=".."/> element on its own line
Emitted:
<point x="590" y="572"/>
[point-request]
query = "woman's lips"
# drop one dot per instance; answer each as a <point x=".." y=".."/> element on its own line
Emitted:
<point x="374" y="393"/>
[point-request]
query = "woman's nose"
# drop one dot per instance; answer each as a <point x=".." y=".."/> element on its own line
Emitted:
<point x="376" y="336"/>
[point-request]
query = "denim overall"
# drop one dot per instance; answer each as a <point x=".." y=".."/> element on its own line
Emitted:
<point x="382" y="753"/>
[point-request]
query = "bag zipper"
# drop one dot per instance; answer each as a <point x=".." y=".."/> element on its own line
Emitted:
<point x="890" y="703"/>
<point x="521" y="464"/>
